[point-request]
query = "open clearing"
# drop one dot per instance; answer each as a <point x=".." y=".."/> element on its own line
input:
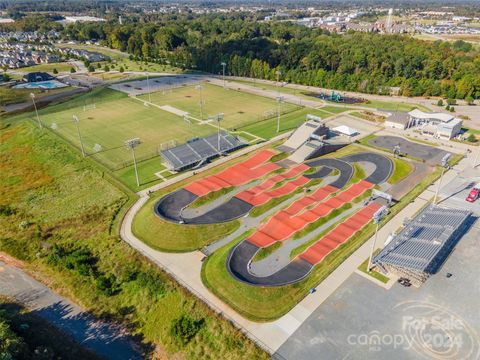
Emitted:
<point x="239" y="108"/>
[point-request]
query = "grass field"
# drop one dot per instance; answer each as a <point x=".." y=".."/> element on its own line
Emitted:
<point x="267" y="129"/>
<point x="116" y="118"/>
<point x="64" y="225"/>
<point x="60" y="66"/>
<point x="393" y="105"/>
<point x="239" y="108"/>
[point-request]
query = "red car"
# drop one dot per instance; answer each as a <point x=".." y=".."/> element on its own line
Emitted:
<point x="474" y="193"/>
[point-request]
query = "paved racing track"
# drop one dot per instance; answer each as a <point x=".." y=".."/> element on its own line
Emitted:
<point x="425" y="152"/>
<point x="383" y="165"/>
<point x="240" y="256"/>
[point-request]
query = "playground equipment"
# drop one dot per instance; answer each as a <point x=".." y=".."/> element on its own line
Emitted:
<point x="335" y="97"/>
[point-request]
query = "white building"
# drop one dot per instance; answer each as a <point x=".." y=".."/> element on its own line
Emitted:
<point x="435" y="124"/>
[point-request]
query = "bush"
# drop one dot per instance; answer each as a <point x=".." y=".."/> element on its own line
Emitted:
<point x="440" y="102"/>
<point x="106" y="68"/>
<point x="91" y="68"/>
<point x="452" y="109"/>
<point x="451" y="101"/>
<point x="55" y="71"/>
<point x="472" y="138"/>
<point x="121" y="69"/>
<point x="107" y="285"/>
<point x="185" y="328"/>
<point x="6" y="210"/>
<point x="72" y="70"/>
<point x="469" y="100"/>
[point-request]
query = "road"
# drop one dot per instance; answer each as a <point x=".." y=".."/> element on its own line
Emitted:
<point x="107" y="340"/>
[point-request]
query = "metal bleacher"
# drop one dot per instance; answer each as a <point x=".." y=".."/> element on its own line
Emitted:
<point x="197" y="151"/>
<point x="424" y="244"/>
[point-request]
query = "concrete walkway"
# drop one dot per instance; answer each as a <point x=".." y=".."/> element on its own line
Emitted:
<point x="107" y="340"/>
<point x="186" y="269"/>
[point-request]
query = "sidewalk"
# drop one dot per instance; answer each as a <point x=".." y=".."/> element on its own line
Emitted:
<point x="186" y="269"/>
<point x="108" y="340"/>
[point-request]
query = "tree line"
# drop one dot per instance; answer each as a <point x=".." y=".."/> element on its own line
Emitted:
<point x="365" y="62"/>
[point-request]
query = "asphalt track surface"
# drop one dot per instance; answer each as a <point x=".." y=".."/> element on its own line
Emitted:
<point x="425" y="152"/>
<point x="170" y="206"/>
<point x="238" y="264"/>
<point x="383" y="165"/>
<point x="345" y="169"/>
<point x="240" y="256"/>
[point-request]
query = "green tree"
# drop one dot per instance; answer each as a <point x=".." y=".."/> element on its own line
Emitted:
<point x="440" y="102"/>
<point x="72" y="70"/>
<point x="121" y="69"/>
<point x="472" y="138"/>
<point x="469" y="99"/>
<point x="55" y="71"/>
<point x="91" y="68"/>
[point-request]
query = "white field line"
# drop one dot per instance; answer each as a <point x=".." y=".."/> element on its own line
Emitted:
<point x="200" y="122"/>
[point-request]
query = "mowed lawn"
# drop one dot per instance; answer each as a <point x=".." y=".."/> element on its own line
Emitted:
<point x="116" y="118"/>
<point x="239" y="108"/>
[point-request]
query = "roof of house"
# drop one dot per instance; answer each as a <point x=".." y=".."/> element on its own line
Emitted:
<point x="418" y="114"/>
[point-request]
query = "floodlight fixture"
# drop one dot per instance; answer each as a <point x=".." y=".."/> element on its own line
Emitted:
<point x="131" y="144"/>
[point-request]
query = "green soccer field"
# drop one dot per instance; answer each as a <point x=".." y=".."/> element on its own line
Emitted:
<point x="239" y="108"/>
<point x="114" y="119"/>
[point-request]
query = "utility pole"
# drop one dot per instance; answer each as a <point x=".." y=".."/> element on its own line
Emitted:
<point x="131" y="145"/>
<point x="32" y="95"/>
<point x="219" y="117"/>
<point x="279" y="102"/>
<point x="76" y="120"/>
<point x="444" y="166"/>
<point x="200" y="88"/>
<point x="223" y="65"/>
<point x="377" y="218"/>
<point x="148" y="88"/>
<point x="278" y="73"/>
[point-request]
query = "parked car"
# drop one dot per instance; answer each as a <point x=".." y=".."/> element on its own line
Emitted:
<point x="474" y="193"/>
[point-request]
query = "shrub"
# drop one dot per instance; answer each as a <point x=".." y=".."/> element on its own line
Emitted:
<point x="440" y="102"/>
<point x="72" y="70"/>
<point x="121" y="69"/>
<point x="91" y="68"/>
<point x="452" y="109"/>
<point x="55" y="71"/>
<point x="6" y="210"/>
<point x="469" y="100"/>
<point x="106" y="68"/>
<point x="185" y="328"/>
<point x="107" y="285"/>
<point x="472" y="138"/>
<point x="451" y="101"/>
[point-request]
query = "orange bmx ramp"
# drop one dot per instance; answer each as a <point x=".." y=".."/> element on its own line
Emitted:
<point x="339" y="235"/>
<point x="284" y="224"/>
<point x="253" y="168"/>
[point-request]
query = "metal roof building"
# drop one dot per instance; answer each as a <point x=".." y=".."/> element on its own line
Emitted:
<point x="424" y="244"/>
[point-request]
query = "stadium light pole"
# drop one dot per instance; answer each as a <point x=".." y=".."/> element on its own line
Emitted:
<point x="279" y="102"/>
<point x="444" y="166"/>
<point x="475" y="162"/>
<point x="76" y="120"/>
<point x="131" y="145"/>
<point x="200" y="89"/>
<point x="278" y="73"/>
<point x="377" y="218"/>
<point x="148" y="88"/>
<point x="223" y="65"/>
<point x="32" y="95"/>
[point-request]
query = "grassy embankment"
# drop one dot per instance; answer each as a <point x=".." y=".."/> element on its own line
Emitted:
<point x="60" y="215"/>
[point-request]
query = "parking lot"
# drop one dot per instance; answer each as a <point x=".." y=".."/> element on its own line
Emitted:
<point x="454" y="193"/>
<point x="362" y="320"/>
